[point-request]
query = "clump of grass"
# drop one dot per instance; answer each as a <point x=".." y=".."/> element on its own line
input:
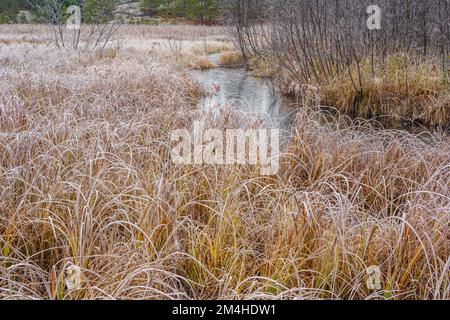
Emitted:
<point x="230" y="59"/>
<point x="402" y="89"/>
<point x="108" y="53"/>
<point x="200" y="63"/>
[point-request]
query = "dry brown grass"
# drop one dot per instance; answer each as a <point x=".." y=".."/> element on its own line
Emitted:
<point x="200" y="63"/>
<point x="86" y="180"/>
<point x="230" y="59"/>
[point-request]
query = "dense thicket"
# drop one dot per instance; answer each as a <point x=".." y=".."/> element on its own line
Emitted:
<point x="315" y="42"/>
<point x="332" y="33"/>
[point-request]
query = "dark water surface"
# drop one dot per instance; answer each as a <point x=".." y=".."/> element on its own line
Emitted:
<point x="241" y="90"/>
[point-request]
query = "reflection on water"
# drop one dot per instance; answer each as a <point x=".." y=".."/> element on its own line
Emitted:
<point x="238" y="88"/>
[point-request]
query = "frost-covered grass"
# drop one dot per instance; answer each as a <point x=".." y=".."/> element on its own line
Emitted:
<point x="86" y="180"/>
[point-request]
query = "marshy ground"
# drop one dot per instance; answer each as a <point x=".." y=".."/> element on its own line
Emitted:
<point x="87" y="183"/>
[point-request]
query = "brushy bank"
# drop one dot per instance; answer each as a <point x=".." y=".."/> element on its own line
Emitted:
<point x="416" y="92"/>
<point x="392" y="64"/>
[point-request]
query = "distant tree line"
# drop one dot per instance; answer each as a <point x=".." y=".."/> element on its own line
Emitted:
<point x="10" y="8"/>
<point x="203" y="10"/>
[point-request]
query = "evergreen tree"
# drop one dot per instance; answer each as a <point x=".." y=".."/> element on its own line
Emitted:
<point x="152" y="7"/>
<point x="99" y="11"/>
<point x="191" y="9"/>
<point x="9" y="10"/>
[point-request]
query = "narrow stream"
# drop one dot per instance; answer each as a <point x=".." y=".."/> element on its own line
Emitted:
<point x="246" y="93"/>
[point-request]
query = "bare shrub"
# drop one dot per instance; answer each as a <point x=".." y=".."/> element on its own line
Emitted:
<point x="317" y="42"/>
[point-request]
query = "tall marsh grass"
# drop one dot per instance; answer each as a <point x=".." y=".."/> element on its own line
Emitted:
<point x="86" y="180"/>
